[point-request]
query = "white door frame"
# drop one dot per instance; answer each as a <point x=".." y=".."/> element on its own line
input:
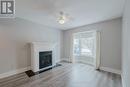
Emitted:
<point x="97" y="53"/>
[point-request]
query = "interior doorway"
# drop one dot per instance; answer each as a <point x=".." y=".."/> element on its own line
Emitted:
<point x="86" y="48"/>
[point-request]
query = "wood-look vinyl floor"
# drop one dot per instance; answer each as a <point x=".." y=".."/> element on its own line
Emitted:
<point x="67" y="75"/>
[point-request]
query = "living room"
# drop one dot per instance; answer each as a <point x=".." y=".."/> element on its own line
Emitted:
<point x="64" y="43"/>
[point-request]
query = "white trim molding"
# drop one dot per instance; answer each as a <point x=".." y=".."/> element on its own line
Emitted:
<point x="13" y="72"/>
<point x="111" y="70"/>
<point x="65" y="60"/>
<point x="98" y="50"/>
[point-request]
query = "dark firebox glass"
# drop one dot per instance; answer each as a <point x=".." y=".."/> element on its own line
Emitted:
<point x="45" y="59"/>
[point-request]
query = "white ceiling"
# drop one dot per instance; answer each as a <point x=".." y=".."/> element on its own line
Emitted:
<point x="81" y="12"/>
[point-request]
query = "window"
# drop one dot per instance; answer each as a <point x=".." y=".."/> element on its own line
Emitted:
<point x="76" y="46"/>
<point x="84" y="46"/>
<point x="87" y="45"/>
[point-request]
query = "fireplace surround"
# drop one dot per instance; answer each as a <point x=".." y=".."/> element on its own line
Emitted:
<point x="43" y="56"/>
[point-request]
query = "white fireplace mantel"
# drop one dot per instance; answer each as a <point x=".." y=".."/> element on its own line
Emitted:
<point x="37" y="47"/>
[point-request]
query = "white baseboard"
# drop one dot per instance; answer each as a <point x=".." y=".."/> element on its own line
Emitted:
<point x="111" y="70"/>
<point x="17" y="71"/>
<point x="65" y="60"/>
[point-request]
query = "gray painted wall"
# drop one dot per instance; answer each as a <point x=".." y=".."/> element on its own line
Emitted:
<point x="15" y="34"/>
<point x="110" y="42"/>
<point x="126" y="46"/>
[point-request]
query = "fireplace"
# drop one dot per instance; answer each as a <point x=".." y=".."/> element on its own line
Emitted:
<point x="43" y="56"/>
<point x="45" y="59"/>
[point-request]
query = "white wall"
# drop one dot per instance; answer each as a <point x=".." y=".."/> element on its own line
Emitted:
<point x="110" y="42"/>
<point x="126" y="46"/>
<point x="15" y="34"/>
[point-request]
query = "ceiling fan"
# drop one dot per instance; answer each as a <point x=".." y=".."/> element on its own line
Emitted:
<point x="63" y="18"/>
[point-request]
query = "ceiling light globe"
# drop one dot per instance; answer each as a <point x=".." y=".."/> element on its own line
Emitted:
<point x="61" y="21"/>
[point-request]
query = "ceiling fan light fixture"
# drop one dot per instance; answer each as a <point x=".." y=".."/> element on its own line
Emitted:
<point x="61" y="21"/>
<point x="62" y="18"/>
